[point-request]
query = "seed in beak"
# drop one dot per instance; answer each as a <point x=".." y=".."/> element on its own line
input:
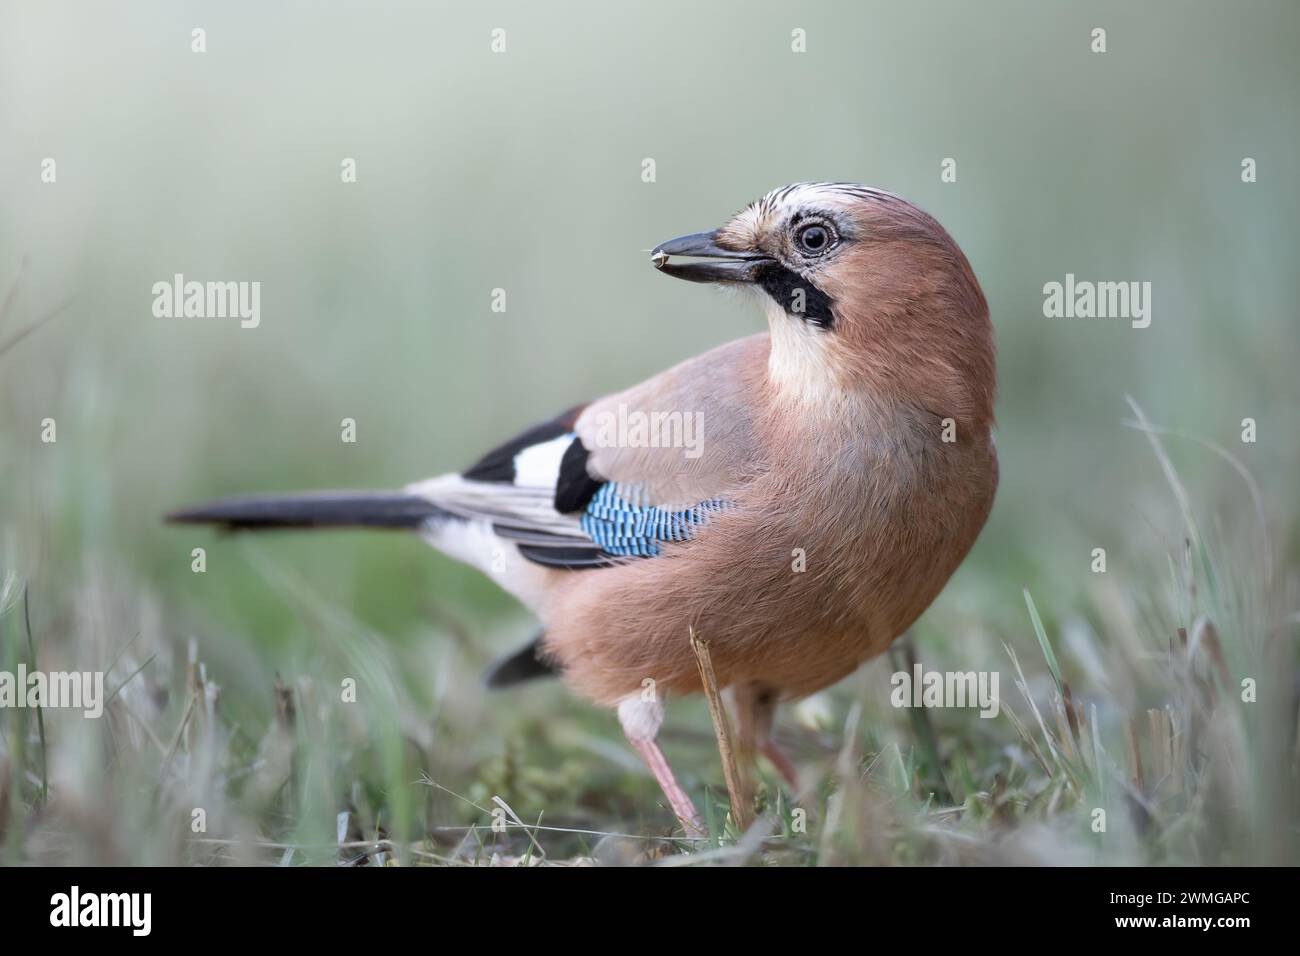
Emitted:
<point x="659" y="258"/>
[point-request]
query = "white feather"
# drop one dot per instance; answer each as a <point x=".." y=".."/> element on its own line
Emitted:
<point x="798" y="364"/>
<point x="641" y="719"/>
<point x="476" y="544"/>
<point x="538" y="466"/>
<point x="528" y="508"/>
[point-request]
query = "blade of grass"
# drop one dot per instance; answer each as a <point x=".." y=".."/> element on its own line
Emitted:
<point x="1044" y="643"/>
<point x="40" y="711"/>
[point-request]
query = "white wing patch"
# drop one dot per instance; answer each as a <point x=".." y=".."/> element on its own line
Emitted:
<point x="538" y="466"/>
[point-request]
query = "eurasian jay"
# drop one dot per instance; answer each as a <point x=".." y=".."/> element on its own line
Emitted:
<point x="843" y="470"/>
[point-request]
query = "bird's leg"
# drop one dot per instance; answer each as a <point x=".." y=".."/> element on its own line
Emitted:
<point x="755" y="713"/>
<point x="641" y="720"/>
<point x="783" y="764"/>
<point x="685" y="810"/>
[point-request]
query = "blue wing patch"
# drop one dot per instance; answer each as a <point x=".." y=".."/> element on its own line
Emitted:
<point x="621" y="526"/>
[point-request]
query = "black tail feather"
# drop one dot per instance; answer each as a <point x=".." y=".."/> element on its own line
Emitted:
<point x="324" y="509"/>
<point x="523" y="665"/>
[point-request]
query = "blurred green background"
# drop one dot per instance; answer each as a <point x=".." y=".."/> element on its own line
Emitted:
<point x="522" y="170"/>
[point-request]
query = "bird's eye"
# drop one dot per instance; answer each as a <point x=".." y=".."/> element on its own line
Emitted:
<point x="814" y="239"/>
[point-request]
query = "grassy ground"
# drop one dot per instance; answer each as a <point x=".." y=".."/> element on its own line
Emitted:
<point x="1123" y="735"/>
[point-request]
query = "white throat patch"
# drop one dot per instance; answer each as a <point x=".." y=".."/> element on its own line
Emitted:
<point x="799" y="365"/>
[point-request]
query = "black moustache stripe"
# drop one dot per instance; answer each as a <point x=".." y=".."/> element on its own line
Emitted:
<point x="783" y="286"/>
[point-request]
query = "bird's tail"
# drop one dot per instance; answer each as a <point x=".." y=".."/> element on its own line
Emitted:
<point x="322" y="509"/>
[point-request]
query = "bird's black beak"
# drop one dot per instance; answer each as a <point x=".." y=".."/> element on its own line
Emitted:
<point x="715" y="264"/>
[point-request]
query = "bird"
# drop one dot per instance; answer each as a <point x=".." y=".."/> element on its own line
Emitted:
<point x="798" y="496"/>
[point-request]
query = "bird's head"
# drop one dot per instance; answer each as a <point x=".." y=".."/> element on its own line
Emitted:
<point x="864" y="293"/>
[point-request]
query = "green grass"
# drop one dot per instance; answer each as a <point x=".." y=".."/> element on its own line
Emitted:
<point x="1127" y="702"/>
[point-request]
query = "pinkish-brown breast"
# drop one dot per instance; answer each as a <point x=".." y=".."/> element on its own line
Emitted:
<point x="846" y="528"/>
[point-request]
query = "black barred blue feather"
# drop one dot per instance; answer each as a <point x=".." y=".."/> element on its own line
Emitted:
<point x="621" y="526"/>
